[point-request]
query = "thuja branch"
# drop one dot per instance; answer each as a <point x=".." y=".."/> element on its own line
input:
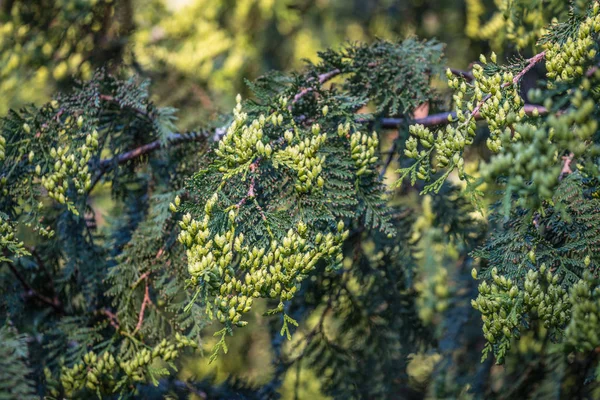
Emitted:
<point x="179" y="138"/>
<point x="388" y="123"/>
<point x="489" y="99"/>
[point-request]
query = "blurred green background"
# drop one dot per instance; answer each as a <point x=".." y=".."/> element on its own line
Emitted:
<point x="197" y="55"/>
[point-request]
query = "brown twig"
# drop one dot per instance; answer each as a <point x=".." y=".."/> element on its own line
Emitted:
<point x="31" y="292"/>
<point x="250" y="193"/>
<point x="566" y="169"/>
<point x="463" y="74"/>
<point x="42" y="266"/>
<point x="112" y="318"/>
<point x="145" y="303"/>
<point x="173" y="139"/>
<point x="322" y="79"/>
<point x="144" y="276"/>
<point x="530" y="64"/>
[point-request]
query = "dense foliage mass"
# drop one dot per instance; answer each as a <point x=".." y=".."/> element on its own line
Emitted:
<point x="377" y="235"/>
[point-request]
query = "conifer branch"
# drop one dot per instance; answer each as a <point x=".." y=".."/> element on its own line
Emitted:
<point x="432" y="120"/>
<point x="179" y="138"/>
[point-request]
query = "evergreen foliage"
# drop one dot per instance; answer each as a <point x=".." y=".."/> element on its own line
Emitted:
<point x="381" y="283"/>
<point x="16" y="382"/>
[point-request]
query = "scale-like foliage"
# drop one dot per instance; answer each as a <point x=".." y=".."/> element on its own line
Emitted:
<point x="15" y="373"/>
<point x="280" y="181"/>
<point x="288" y="212"/>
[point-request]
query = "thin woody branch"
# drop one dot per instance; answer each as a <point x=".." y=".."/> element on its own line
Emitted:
<point x="143" y="277"/>
<point x="322" y="79"/>
<point x="145" y="302"/>
<point x="31" y="292"/>
<point x="112" y="318"/>
<point x="250" y="193"/>
<point x="173" y="139"/>
<point x="566" y="168"/>
<point x="516" y="79"/>
<point x="463" y="74"/>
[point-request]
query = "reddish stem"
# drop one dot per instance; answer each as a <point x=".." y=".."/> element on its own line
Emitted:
<point x="112" y="318"/>
<point x="145" y="303"/>
<point x="566" y="169"/>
